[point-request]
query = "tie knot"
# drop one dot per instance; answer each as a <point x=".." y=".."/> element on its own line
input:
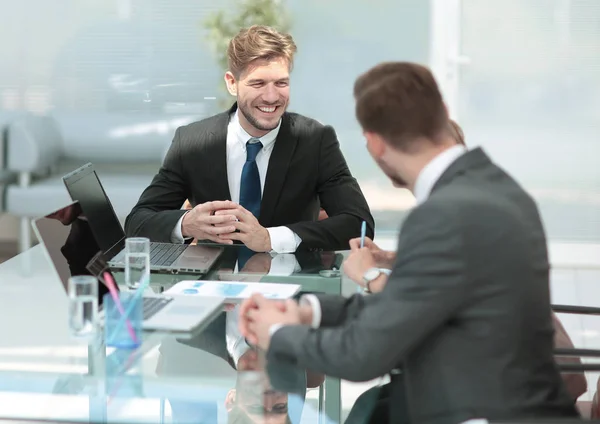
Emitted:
<point x="253" y="146"/>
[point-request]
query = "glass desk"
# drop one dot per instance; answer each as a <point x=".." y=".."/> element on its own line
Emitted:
<point x="167" y="379"/>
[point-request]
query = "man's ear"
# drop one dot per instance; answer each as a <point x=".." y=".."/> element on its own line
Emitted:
<point x="231" y="83"/>
<point x="230" y="400"/>
<point x="375" y="144"/>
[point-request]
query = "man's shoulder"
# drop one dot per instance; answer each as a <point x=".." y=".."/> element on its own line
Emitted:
<point x="454" y="204"/>
<point x="303" y="125"/>
<point x="460" y="199"/>
<point x="472" y="202"/>
<point x="202" y="127"/>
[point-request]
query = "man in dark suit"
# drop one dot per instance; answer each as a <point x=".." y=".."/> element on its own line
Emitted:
<point x="463" y="324"/>
<point x="256" y="173"/>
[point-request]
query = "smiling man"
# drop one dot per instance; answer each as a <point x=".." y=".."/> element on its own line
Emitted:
<point x="256" y="174"/>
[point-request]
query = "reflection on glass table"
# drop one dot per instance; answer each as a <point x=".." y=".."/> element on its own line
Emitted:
<point x="208" y="379"/>
<point x="40" y="363"/>
<point x="315" y="271"/>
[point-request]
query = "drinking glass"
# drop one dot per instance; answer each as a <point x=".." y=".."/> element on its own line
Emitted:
<point x="123" y="320"/>
<point x="83" y="306"/>
<point x="137" y="261"/>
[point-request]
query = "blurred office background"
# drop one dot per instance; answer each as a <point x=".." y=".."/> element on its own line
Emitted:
<point x="521" y="76"/>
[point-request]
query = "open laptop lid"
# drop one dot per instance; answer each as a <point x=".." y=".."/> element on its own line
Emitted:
<point x="85" y="187"/>
<point x="68" y="240"/>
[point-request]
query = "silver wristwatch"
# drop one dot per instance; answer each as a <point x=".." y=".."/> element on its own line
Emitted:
<point x="372" y="274"/>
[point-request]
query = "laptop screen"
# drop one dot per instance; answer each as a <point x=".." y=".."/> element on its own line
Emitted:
<point x="68" y="239"/>
<point x="84" y="186"/>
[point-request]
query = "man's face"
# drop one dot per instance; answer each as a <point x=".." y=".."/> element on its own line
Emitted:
<point x="264" y="406"/>
<point x="256" y="399"/>
<point x="262" y="92"/>
<point x="376" y="147"/>
<point x="390" y="173"/>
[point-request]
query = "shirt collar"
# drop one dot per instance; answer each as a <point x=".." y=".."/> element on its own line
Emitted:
<point x="267" y="140"/>
<point x="434" y="170"/>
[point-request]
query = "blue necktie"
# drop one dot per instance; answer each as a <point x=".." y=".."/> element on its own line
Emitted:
<point x="250" y="192"/>
<point x="243" y="255"/>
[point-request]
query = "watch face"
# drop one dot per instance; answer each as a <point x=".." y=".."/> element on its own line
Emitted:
<point x="371" y="274"/>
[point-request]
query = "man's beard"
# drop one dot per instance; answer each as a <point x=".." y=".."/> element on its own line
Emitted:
<point x="397" y="181"/>
<point x="252" y="120"/>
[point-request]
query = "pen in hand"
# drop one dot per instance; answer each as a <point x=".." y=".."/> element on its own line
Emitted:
<point x="363" y="233"/>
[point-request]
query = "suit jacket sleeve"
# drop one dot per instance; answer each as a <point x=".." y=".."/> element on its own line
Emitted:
<point x="159" y="208"/>
<point x="427" y="287"/>
<point x="335" y="310"/>
<point x="341" y="198"/>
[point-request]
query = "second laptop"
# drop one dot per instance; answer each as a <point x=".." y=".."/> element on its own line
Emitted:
<point x="84" y="186"/>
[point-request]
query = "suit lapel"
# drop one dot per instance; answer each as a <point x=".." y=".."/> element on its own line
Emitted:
<point x="283" y="150"/>
<point x="216" y="156"/>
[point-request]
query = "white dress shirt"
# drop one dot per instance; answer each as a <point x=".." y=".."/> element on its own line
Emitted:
<point x="283" y="240"/>
<point x="426" y="179"/>
<point x="282" y="265"/>
<point x="236" y="343"/>
<point x="432" y="172"/>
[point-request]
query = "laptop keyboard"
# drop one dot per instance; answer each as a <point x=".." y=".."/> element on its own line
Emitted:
<point x="164" y="254"/>
<point x="151" y="305"/>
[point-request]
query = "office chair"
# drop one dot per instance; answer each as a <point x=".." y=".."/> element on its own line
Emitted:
<point x="588" y="409"/>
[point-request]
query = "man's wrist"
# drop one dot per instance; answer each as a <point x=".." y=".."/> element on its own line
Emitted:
<point x="268" y="247"/>
<point x="311" y="302"/>
<point x="375" y="278"/>
<point x="273" y="329"/>
<point x="376" y="285"/>
<point x="306" y="314"/>
<point x="183" y="225"/>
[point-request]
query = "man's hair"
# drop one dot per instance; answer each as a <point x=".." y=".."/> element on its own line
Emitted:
<point x="457" y="132"/>
<point x="259" y="42"/>
<point x="401" y="102"/>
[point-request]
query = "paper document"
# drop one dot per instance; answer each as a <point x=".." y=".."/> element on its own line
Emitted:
<point x="233" y="291"/>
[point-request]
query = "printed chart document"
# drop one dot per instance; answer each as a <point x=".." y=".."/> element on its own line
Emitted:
<point x="233" y="291"/>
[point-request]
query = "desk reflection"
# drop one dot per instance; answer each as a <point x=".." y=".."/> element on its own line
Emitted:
<point x="260" y="392"/>
<point x="240" y="263"/>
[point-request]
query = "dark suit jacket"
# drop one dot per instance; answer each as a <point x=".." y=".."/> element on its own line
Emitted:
<point x="465" y="313"/>
<point x="212" y="339"/>
<point x="306" y="171"/>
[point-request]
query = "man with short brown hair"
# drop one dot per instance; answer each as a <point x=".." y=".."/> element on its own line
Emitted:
<point x="255" y="174"/>
<point x="463" y="323"/>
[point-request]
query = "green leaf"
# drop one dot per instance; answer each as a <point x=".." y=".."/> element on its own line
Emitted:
<point x="222" y="27"/>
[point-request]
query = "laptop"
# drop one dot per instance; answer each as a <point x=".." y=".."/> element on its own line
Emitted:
<point x="85" y="187"/>
<point x="70" y="244"/>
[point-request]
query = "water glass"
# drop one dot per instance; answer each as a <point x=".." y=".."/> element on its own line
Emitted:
<point x="83" y="306"/>
<point x="123" y="320"/>
<point x="124" y="376"/>
<point x="137" y="261"/>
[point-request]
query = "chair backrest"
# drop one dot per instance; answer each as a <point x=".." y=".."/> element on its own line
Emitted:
<point x="37" y="143"/>
<point x="34" y="144"/>
<point x="576" y="383"/>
